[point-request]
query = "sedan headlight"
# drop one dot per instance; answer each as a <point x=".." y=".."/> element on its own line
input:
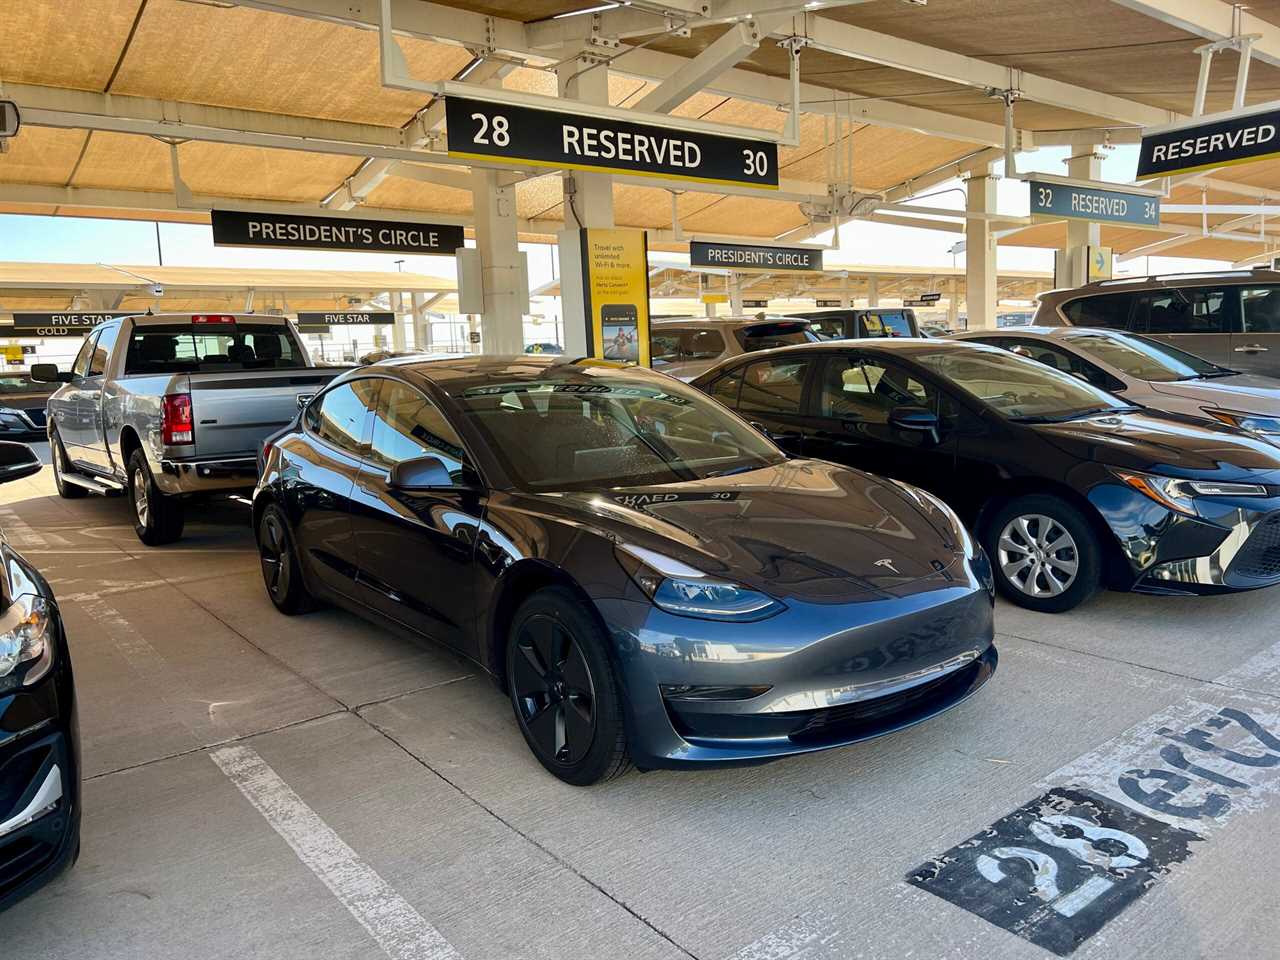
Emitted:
<point x="688" y="592"/>
<point x="1245" y="421"/>
<point x="24" y="638"/>
<point x="1179" y="495"/>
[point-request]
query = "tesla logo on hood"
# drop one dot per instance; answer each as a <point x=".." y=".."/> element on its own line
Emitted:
<point x="888" y="565"/>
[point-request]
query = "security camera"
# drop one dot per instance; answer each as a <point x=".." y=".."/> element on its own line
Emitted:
<point x="157" y="291"/>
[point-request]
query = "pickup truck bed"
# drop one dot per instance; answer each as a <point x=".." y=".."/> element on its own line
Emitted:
<point x="165" y="407"/>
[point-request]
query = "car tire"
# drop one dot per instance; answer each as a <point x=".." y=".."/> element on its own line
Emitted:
<point x="61" y="466"/>
<point x="1044" y="553"/>
<point x="564" y="689"/>
<point x="281" y="570"/>
<point x="157" y="517"/>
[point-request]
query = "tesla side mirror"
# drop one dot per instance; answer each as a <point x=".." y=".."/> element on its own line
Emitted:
<point x="48" y="373"/>
<point x="420" y="473"/>
<point x="915" y="420"/>
<point x="17" y="460"/>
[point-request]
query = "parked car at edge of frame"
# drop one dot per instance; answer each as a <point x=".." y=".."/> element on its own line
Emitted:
<point x="647" y="577"/>
<point x="1230" y="317"/>
<point x="39" y="734"/>
<point x="22" y="407"/>
<point x="1068" y="487"/>
<point x="848" y="323"/>
<point x="1149" y="373"/>
<point x="685" y="348"/>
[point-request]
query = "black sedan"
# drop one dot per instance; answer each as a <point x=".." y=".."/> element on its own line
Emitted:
<point x="648" y="578"/>
<point x="22" y="407"/>
<point x="39" y="738"/>
<point x="1068" y="487"/>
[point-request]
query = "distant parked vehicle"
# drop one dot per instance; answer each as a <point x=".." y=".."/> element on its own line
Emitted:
<point x="547" y="347"/>
<point x="22" y="407"/>
<point x="1150" y="373"/>
<point x="1231" y="318"/>
<point x="685" y="348"/>
<point x="855" y="324"/>
<point x="934" y="330"/>
<point x="170" y="406"/>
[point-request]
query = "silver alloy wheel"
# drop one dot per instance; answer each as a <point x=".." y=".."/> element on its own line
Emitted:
<point x="1038" y="555"/>
<point x="140" y="506"/>
<point x="59" y="467"/>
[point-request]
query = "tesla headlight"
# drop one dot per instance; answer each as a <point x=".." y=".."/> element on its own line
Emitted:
<point x="688" y="592"/>
<point x="1245" y="421"/>
<point x="1179" y="495"/>
<point x="24" y="638"/>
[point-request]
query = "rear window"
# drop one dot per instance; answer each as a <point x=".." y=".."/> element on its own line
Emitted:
<point x="766" y="336"/>
<point x="886" y="324"/>
<point x="19" y="384"/>
<point x="184" y="348"/>
<point x="1110" y="311"/>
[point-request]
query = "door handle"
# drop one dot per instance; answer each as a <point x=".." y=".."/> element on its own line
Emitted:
<point x="1252" y="348"/>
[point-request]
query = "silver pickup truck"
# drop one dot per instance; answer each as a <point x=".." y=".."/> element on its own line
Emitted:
<point x="166" y="407"/>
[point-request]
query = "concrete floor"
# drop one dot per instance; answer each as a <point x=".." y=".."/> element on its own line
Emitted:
<point x="391" y="808"/>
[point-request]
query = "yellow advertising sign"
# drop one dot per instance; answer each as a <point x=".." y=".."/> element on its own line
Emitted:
<point x="616" y="276"/>
<point x="1100" y="263"/>
<point x="715" y="298"/>
<point x="13" y="354"/>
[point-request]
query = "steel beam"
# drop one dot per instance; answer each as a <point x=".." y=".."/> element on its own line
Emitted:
<point x="1214" y="20"/>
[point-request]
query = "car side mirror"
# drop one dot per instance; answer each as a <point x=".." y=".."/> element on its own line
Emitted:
<point x="17" y="460"/>
<point x="49" y="373"/>
<point x="420" y="473"/>
<point x="915" y="420"/>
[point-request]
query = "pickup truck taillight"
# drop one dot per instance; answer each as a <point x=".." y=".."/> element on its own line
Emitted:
<point x="177" y="427"/>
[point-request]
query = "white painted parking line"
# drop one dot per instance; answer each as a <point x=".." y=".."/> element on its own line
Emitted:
<point x="806" y="937"/>
<point x="397" y="927"/>
<point x="20" y="532"/>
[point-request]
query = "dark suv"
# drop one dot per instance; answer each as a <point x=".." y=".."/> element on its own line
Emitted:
<point x="1231" y="318"/>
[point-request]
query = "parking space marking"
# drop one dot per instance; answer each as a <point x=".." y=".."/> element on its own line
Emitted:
<point x="397" y="927"/>
<point x="806" y="937"/>
<point x="22" y="532"/>
<point x="1117" y="819"/>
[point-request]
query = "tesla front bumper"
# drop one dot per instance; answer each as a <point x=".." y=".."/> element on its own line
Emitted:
<point x="813" y="677"/>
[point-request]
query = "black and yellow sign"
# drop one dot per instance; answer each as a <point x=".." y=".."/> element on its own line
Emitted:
<point x="59" y="324"/>
<point x="547" y="137"/>
<point x="615" y="273"/>
<point x="1218" y="140"/>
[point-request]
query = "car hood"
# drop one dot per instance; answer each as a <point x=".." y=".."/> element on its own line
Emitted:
<point x="803" y="529"/>
<point x="1243" y="392"/>
<point x="1166" y="443"/>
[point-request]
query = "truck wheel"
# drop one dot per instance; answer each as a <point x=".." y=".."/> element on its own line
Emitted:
<point x="67" y="491"/>
<point x="157" y="517"/>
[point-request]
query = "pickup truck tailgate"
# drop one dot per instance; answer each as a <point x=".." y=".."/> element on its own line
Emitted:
<point x="235" y="412"/>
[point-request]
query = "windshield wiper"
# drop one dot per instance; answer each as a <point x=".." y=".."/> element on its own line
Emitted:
<point x="1224" y="372"/>
<point x="1074" y="415"/>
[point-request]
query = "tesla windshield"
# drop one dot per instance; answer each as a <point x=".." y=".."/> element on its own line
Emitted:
<point x="1146" y="359"/>
<point x="611" y="432"/>
<point x="1019" y="389"/>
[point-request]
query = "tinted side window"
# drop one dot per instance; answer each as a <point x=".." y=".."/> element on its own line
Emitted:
<point x="726" y="388"/>
<point x="1261" y="306"/>
<point x="341" y="416"/>
<point x="1067" y="361"/>
<point x="1110" y="310"/>
<point x="407" y="425"/>
<point x="1191" y="310"/>
<point x="773" y="386"/>
<point x="702" y="345"/>
<point x="827" y="328"/>
<point x="102" y="350"/>
<point x="892" y="323"/>
<point x="80" y="366"/>
<point x="855" y="389"/>
<point x="664" y="348"/>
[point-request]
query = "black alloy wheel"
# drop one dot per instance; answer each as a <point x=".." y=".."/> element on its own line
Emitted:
<point x="563" y="689"/>
<point x="280" y="570"/>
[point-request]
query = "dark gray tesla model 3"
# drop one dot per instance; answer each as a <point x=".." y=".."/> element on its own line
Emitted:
<point x="650" y="579"/>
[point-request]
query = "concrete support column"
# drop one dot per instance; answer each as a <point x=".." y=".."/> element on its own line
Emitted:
<point x="588" y="197"/>
<point x="735" y="295"/>
<point x="980" y="253"/>
<point x="421" y="324"/>
<point x="953" y="305"/>
<point x="873" y="291"/>
<point x="1081" y="234"/>
<point x="502" y="323"/>
<point x="398" y="342"/>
